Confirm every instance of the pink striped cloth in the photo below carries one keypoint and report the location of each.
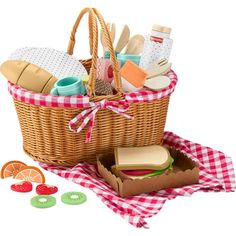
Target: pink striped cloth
(216, 174)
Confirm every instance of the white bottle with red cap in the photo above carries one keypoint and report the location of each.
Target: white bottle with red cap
(157, 46)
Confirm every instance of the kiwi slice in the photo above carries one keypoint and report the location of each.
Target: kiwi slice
(73, 198)
(43, 201)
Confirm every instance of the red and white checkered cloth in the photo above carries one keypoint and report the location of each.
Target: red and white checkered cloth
(88, 116)
(79, 101)
(216, 174)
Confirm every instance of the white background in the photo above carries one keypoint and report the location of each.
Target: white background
(202, 109)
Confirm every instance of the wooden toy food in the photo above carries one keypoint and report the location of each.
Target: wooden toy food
(43, 201)
(112, 31)
(135, 45)
(73, 198)
(104, 70)
(31, 173)
(45, 189)
(28, 76)
(103, 87)
(133, 74)
(124, 176)
(159, 68)
(123, 40)
(11, 168)
(154, 157)
(58, 63)
(137, 172)
(157, 83)
(22, 187)
(161, 155)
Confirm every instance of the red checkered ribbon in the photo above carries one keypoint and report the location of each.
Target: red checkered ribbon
(88, 115)
(216, 174)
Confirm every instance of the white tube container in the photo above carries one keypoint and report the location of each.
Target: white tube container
(157, 46)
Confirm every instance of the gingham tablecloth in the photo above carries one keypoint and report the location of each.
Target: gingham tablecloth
(79, 101)
(216, 174)
(87, 117)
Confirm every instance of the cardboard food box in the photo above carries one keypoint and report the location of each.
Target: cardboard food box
(185, 172)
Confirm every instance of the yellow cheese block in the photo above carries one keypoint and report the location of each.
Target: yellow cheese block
(28, 76)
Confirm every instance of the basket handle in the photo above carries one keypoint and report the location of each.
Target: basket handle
(71, 44)
(95, 15)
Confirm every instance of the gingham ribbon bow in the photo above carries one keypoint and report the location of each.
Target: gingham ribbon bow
(88, 115)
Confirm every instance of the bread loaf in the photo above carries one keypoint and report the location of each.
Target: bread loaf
(28, 76)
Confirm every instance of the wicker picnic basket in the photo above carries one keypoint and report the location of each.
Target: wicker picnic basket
(47, 138)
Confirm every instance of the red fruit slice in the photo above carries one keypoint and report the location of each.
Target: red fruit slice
(22, 187)
(110, 72)
(45, 189)
(137, 172)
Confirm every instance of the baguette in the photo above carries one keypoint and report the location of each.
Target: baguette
(28, 76)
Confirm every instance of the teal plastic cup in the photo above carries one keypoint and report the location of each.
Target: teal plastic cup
(131, 57)
(107, 54)
(69, 86)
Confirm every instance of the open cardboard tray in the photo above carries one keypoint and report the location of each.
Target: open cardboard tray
(185, 172)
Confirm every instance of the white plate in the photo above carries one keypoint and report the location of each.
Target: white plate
(58, 63)
(157, 83)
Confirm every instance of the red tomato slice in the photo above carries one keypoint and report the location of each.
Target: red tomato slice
(137, 172)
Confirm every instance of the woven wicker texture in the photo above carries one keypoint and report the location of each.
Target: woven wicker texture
(47, 138)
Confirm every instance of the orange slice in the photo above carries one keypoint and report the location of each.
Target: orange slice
(11, 168)
(30, 173)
